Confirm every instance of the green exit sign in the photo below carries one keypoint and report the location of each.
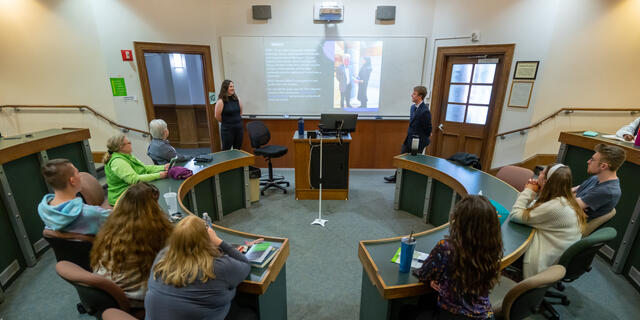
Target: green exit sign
(118, 87)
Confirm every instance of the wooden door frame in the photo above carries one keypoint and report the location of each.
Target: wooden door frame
(141, 48)
(438, 90)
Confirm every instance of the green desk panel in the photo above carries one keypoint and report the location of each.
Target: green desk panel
(232, 190)
(440, 203)
(73, 152)
(28, 188)
(9, 249)
(412, 192)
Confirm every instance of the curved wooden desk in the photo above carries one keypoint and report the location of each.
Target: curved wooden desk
(221, 187)
(383, 287)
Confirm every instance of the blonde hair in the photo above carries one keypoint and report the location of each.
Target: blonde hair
(190, 255)
(113, 145)
(558, 185)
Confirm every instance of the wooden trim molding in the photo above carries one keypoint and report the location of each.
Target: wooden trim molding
(18, 151)
(529, 163)
(205, 51)
(506, 51)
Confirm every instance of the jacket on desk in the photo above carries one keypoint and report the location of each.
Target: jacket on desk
(420, 122)
(466, 159)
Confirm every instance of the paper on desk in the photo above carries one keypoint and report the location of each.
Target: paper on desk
(614, 137)
(416, 262)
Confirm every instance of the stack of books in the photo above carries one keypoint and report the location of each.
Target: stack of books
(260, 254)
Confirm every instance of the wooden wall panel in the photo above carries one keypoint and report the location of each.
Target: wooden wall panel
(373, 145)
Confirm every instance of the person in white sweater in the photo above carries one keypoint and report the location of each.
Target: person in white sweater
(553, 212)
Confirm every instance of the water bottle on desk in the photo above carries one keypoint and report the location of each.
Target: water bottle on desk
(300, 127)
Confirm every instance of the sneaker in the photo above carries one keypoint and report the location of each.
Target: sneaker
(390, 179)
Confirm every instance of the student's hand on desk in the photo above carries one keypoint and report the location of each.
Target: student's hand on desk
(166, 167)
(214, 237)
(627, 137)
(163, 174)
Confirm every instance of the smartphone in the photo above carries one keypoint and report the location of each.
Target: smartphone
(172, 162)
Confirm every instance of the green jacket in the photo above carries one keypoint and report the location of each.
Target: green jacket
(123, 170)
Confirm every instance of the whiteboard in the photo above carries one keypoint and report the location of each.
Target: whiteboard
(276, 76)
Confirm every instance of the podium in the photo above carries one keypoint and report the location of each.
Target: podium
(335, 166)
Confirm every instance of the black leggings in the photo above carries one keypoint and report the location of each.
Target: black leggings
(231, 136)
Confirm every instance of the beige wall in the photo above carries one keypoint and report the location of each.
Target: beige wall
(63, 52)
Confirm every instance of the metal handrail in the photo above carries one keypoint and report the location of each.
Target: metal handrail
(81, 108)
(566, 111)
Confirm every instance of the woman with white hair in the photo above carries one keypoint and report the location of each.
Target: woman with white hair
(160, 150)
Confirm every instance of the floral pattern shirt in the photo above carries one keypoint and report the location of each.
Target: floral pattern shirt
(437, 267)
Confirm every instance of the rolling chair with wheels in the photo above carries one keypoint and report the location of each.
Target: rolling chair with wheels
(525, 297)
(96, 293)
(68, 246)
(259, 136)
(577, 260)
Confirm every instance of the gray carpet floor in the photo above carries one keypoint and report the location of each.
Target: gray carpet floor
(323, 271)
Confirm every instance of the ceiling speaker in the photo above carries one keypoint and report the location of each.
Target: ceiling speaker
(386, 12)
(262, 12)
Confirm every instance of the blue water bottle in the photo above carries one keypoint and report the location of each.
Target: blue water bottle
(406, 253)
(300, 127)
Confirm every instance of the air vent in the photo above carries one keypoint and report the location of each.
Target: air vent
(40, 245)
(634, 274)
(607, 251)
(9, 272)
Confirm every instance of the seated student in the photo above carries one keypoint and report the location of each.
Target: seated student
(195, 276)
(629, 131)
(600, 193)
(124, 169)
(128, 242)
(464, 266)
(63, 210)
(555, 214)
(160, 150)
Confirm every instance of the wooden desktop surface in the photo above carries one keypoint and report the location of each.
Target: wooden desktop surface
(259, 279)
(18, 146)
(375, 255)
(579, 140)
(302, 153)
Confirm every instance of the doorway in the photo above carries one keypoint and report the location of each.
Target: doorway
(176, 82)
(468, 94)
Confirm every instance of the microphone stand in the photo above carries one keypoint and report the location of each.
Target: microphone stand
(320, 221)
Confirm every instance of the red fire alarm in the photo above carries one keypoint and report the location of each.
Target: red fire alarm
(127, 55)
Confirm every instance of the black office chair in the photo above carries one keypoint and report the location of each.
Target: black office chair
(577, 260)
(259, 136)
(97, 293)
(69, 246)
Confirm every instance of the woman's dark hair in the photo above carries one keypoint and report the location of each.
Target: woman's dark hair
(224, 91)
(367, 63)
(477, 245)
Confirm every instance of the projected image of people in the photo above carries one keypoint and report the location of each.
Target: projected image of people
(357, 75)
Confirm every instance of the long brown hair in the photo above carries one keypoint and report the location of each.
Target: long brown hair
(191, 255)
(558, 185)
(224, 91)
(477, 245)
(133, 234)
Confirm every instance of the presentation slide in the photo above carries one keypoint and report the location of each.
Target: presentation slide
(312, 75)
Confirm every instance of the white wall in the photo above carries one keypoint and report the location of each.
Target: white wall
(63, 52)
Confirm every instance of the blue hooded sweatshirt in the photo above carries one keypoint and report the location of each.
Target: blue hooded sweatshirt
(72, 216)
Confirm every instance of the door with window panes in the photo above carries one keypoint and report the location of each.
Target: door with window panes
(467, 104)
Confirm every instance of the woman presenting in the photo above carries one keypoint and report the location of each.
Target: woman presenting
(363, 80)
(228, 111)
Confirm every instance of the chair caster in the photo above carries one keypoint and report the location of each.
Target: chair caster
(81, 309)
(565, 301)
(554, 318)
(285, 191)
(287, 185)
(262, 193)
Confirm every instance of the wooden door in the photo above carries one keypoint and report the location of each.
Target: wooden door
(469, 90)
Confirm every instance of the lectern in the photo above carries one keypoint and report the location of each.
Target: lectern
(335, 165)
